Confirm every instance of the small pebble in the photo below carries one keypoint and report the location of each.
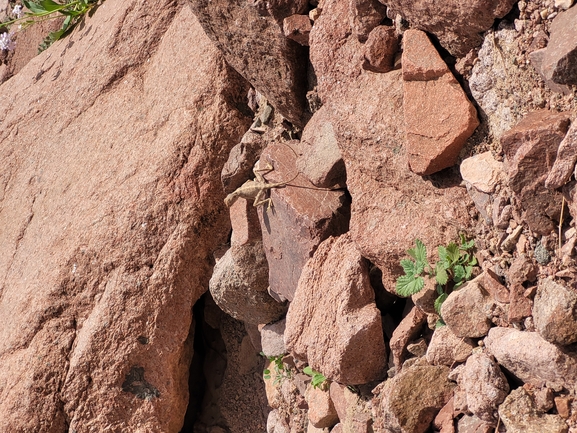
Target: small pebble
(551, 16)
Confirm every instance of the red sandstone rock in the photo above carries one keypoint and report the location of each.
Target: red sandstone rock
(444, 419)
(322, 412)
(485, 386)
(272, 338)
(409, 328)
(353, 413)
(321, 161)
(241, 160)
(554, 312)
(302, 217)
(386, 196)
(253, 43)
(335, 53)
(466, 310)
(565, 161)
(410, 401)
(482, 171)
(557, 63)
(530, 148)
(332, 322)
(447, 349)
(298, 28)
(457, 25)
(494, 287)
(380, 49)
(365, 15)
(110, 213)
(438, 116)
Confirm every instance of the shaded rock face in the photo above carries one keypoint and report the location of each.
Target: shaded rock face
(109, 214)
(530, 150)
(257, 48)
(410, 401)
(386, 196)
(457, 25)
(333, 322)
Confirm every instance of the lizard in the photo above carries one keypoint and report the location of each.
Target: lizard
(256, 189)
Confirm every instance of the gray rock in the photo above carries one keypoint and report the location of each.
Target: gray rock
(272, 338)
(531, 358)
(519, 415)
(565, 162)
(555, 312)
(239, 285)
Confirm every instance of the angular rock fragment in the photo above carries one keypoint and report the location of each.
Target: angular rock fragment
(530, 149)
(354, 416)
(466, 310)
(365, 16)
(438, 116)
(409, 328)
(485, 386)
(494, 287)
(334, 295)
(472, 424)
(300, 219)
(254, 45)
(322, 412)
(447, 349)
(456, 24)
(321, 161)
(298, 28)
(380, 49)
(519, 415)
(410, 401)
(555, 312)
(482, 171)
(272, 338)
(332, 38)
(386, 195)
(241, 160)
(531, 358)
(110, 214)
(564, 164)
(557, 63)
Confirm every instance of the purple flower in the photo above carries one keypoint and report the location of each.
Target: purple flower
(6, 42)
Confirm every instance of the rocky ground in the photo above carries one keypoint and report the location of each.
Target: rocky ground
(133, 299)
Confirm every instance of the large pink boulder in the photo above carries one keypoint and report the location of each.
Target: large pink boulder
(111, 207)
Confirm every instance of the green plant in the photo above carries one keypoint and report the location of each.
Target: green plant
(318, 380)
(455, 266)
(281, 371)
(41, 10)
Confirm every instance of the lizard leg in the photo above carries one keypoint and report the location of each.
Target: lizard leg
(258, 200)
(261, 171)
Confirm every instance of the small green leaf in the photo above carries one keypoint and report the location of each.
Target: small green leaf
(34, 7)
(408, 285)
(439, 324)
(408, 266)
(453, 253)
(50, 5)
(308, 370)
(441, 274)
(460, 274)
(439, 301)
(419, 253)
